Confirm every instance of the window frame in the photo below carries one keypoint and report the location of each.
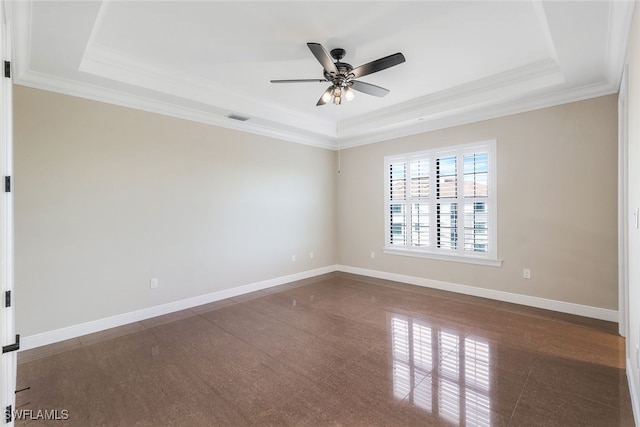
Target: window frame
(432, 251)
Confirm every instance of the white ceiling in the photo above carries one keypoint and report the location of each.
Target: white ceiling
(205, 60)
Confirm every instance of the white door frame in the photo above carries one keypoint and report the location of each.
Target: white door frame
(7, 317)
(623, 210)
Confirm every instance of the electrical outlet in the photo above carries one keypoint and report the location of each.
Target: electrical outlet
(311, 255)
(526, 273)
(293, 258)
(373, 254)
(154, 283)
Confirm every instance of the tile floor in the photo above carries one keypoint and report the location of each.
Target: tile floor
(336, 350)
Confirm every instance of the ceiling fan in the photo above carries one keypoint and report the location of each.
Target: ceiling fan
(342, 75)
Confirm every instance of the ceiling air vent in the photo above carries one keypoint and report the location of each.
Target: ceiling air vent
(237, 117)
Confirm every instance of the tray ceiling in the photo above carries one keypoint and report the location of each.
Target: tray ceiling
(208, 60)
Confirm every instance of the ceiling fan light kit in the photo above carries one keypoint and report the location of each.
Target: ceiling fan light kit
(342, 75)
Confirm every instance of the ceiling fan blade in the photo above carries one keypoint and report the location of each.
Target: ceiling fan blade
(300, 81)
(326, 96)
(378, 65)
(368, 88)
(323, 57)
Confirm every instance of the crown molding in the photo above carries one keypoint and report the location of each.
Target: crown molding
(459, 99)
(499, 109)
(114, 65)
(97, 93)
(487, 112)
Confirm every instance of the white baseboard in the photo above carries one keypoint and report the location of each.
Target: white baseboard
(50, 337)
(561, 306)
(75, 331)
(633, 391)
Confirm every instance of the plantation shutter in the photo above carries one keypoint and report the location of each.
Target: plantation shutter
(442, 202)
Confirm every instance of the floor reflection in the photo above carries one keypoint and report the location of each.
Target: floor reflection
(441, 372)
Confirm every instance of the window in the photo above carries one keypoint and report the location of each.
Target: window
(442, 203)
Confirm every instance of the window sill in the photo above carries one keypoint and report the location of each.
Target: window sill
(441, 257)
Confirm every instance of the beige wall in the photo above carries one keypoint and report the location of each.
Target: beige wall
(557, 204)
(633, 194)
(108, 197)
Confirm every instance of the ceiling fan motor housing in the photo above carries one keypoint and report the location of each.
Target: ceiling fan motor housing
(342, 78)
